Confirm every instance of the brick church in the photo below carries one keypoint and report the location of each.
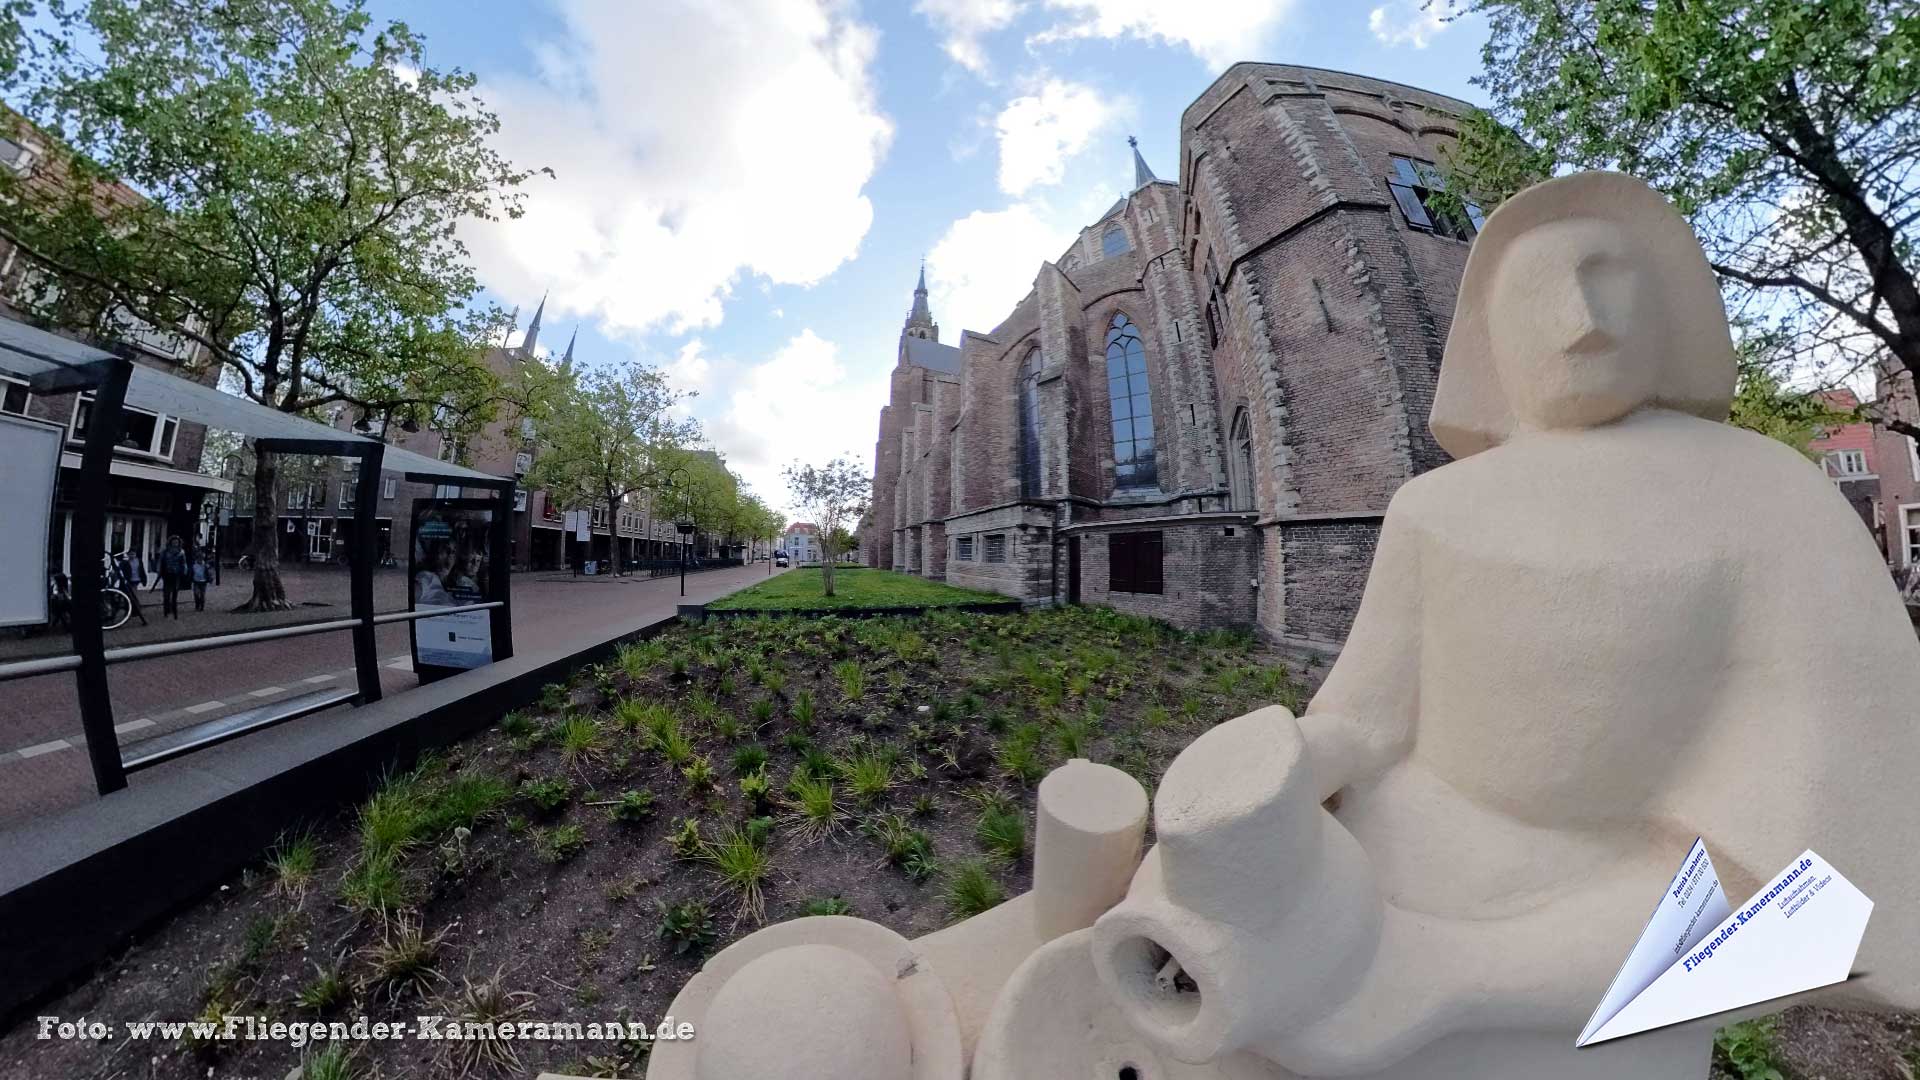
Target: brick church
(1202, 407)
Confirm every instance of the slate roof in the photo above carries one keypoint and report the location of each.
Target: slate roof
(933, 355)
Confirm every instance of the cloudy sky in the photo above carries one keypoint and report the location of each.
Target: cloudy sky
(744, 188)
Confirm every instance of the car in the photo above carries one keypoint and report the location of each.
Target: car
(781, 559)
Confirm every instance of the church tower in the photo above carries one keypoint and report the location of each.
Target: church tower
(920, 322)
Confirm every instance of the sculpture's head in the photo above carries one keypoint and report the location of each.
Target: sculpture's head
(1584, 298)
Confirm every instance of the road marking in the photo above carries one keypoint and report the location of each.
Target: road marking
(329, 677)
(205, 706)
(44, 748)
(403, 658)
(133, 725)
(267, 691)
(405, 663)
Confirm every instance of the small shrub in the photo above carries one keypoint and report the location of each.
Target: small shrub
(1156, 717)
(1022, 761)
(560, 844)
(813, 809)
(517, 725)
(555, 696)
(826, 905)
(742, 863)
(816, 762)
(327, 990)
(1747, 1049)
(1075, 737)
(803, 710)
(641, 717)
(403, 960)
(686, 926)
(488, 1005)
(676, 748)
(757, 790)
(971, 890)
(868, 776)
(907, 847)
(698, 774)
(293, 860)
(852, 678)
(334, 1061)
(749, 758)
(762, 712)
(925, 805)
(728, 729)
(548, 793)
(685, 839)
(378, 884)
(632, 807)
(1002, 831)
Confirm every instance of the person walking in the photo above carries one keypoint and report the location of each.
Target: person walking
(200, 571)
(173, 574)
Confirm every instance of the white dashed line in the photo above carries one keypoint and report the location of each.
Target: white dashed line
(329, 677)
(267, 691)
(44, 748)
(133, 725)
(205, 706)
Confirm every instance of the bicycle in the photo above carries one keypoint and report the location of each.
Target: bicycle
(116, 607)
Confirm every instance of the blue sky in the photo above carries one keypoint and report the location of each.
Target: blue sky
(745, 188)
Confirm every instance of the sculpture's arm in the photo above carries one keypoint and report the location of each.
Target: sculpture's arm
(1362, 720)
(1433, 976)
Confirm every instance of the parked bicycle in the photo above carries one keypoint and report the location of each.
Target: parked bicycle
(117, 602)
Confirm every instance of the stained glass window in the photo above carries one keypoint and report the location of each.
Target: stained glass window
(1030, 425)
(1133, 446)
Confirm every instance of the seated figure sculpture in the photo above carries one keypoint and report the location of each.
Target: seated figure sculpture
(1613, 623)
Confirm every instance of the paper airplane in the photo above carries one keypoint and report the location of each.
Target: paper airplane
(1697, 956)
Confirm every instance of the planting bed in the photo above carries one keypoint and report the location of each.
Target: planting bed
(546, 869)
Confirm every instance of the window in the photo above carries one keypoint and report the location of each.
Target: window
(17, 156)
(1113, 241)
(963, 549)
(1240, 460)
(1910, 528)
(1133, 461)
(387, 487)
(1913, 456)
(308, 496)
(1216, 304)
(522, 463)
(453, 448)
(446, 491)
(14, 396)
(1847, 464)
(142, 432)
(1414, 184)
(349, 485)
(1133, 562)
(996, 548)
(1030, 424)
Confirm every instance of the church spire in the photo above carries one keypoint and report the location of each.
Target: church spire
(920, 322)
(566, 362)
(533, 328)
(1142, 176)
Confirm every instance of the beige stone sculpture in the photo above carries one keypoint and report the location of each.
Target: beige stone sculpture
(1613, 624)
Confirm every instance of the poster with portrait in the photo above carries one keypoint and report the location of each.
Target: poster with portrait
(449, 564)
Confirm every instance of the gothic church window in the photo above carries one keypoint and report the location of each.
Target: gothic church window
(1030, 425)
(1415, 184)
(1113, 242)
(1133, 461)
(1240, 461)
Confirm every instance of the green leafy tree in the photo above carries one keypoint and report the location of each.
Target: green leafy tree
(1786, 131)
(836, 495)
(610, 435)
(301, 175)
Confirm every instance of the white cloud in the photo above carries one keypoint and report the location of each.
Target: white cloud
(1220, 32)
(964, 22)
(1040, 132)
(800, 405)
(985, 263)
(1412, 22)
(693, 143)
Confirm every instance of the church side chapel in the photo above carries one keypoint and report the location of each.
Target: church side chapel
(1202, 407)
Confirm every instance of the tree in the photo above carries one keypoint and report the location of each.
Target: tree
(836, 496)
(844, 541)
(1786, 131)
(609, 435)
(301, 176)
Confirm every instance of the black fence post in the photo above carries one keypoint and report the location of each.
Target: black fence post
(366, 663)
(500, 574)
(104, 424)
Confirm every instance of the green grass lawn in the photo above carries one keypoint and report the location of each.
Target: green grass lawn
(802, 590)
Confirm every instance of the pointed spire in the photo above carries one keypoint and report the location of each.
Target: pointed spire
(533, 328)
(1142, 176)
(566, 362)
(920, 322)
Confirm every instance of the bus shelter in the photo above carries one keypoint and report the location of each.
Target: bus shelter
(51, 364)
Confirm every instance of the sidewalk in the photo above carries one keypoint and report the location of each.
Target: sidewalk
(43, 762)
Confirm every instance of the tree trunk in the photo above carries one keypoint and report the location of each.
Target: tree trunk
(826, 566)
(268, 592)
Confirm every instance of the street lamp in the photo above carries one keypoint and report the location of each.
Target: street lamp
(685, 526)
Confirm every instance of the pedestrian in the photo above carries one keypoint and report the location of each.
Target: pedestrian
(200, 572)
(173, 574)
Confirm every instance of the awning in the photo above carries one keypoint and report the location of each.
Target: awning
(158, 474)
(53, 364)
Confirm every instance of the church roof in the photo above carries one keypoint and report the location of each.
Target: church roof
(932, 354)
(1142, 176)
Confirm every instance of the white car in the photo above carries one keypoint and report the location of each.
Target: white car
(781, 559)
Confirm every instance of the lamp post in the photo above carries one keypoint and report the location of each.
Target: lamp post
(680, 522)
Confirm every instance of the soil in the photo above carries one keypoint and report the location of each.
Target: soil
(581, 939)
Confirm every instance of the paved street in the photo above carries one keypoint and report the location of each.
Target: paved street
(43, 760)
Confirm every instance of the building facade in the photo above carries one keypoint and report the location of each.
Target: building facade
(802, 542)
(1202, 408)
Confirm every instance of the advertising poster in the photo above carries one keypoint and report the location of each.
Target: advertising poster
(449, 565)
(32, 453)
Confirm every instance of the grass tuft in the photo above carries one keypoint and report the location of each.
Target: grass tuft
(970, 890)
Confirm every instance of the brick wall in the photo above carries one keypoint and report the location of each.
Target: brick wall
(1207, 570)
(1324, 571)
